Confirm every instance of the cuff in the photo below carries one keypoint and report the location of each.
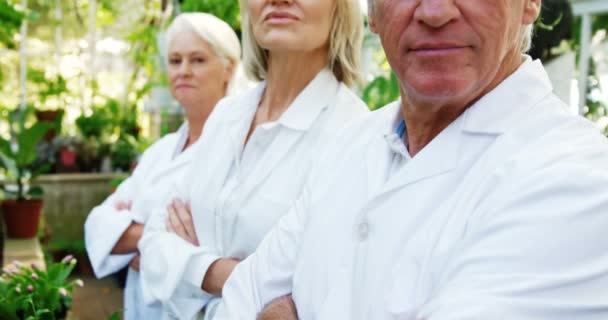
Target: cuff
(103, 229)
(197, 268)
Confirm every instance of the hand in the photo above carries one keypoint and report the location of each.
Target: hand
(179, 221)
(281, 308)
(123, 205)
(135, 262)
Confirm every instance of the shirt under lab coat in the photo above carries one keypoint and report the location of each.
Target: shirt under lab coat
(148, 186)
(238, 192)
(501, 216)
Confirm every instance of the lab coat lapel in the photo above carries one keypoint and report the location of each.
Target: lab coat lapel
(278, 149)
(440, 156)
(227, 146)
(172, 158)
(492, 115)
(296, 121)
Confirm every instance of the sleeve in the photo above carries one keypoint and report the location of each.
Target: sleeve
(165, 257)
(267, 273)
(104, 227)
(537, 249)
(170, 266)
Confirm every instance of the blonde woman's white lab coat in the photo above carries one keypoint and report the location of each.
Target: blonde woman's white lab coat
(147, 188)
(238, 194)
(501, 216)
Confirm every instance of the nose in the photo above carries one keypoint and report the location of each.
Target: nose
(184, 68)
(436, 13)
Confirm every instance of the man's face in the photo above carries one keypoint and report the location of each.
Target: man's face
(450, 52)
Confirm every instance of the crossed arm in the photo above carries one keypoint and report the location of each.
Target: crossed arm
(129, 239)
(179, 221)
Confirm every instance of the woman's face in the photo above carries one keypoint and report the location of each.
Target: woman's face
(291, 25)
(197, 76)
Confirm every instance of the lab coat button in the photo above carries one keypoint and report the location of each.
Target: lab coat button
(363, 231)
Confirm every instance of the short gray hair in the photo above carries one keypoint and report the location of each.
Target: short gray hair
(215, 32)
(526, 38)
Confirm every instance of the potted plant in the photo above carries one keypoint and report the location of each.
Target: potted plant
(23, 203)
(124, 153)
(29, 292)
(50, 98)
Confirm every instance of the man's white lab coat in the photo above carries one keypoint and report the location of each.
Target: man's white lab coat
(501, 216)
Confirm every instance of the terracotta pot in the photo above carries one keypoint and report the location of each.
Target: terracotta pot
(22, 217)
(49, 116)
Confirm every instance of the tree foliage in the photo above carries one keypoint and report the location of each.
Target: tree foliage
(11, 18)
(227, 10)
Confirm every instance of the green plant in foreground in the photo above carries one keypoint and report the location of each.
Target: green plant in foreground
(29, 292)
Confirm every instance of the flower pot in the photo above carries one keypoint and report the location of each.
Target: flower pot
(22, 217)
(66, 161)
(50, 116)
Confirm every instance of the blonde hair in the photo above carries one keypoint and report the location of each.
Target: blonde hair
(215, 32)
(345, 41)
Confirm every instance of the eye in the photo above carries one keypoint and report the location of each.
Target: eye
(198, 60)
(175, 61)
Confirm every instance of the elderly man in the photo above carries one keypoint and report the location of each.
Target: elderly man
(474, 197)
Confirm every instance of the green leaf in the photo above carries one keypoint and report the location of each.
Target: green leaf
(27, 141)
(36, 192)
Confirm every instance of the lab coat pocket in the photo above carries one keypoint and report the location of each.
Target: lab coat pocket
(402, 296)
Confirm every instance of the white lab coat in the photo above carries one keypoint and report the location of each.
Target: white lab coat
(501, 216)
(236, 196)
(147, 188)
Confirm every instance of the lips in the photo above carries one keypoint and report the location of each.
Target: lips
(183, 86)
(280, 16)
(437, 48)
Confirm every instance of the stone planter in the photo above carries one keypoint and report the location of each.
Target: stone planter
(68, 199)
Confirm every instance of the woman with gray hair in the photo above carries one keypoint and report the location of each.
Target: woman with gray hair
(257, 148)
(202, 54)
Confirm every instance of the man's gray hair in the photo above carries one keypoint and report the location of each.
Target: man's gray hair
(526, 38)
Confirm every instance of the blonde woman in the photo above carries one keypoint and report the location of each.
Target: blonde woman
(203, 53)
(257, 148)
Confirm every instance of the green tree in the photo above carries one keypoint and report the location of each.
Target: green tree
(11, 18)
(227, 10)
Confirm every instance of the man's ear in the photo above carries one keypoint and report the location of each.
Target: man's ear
(531, 11)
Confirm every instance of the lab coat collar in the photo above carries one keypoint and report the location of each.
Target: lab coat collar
(440, 156)
(182, 138)
(248, 103)
(302, 112)
(170, 161)
(307, 106)
(502, 107)
(492, 114)
(300, 116)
